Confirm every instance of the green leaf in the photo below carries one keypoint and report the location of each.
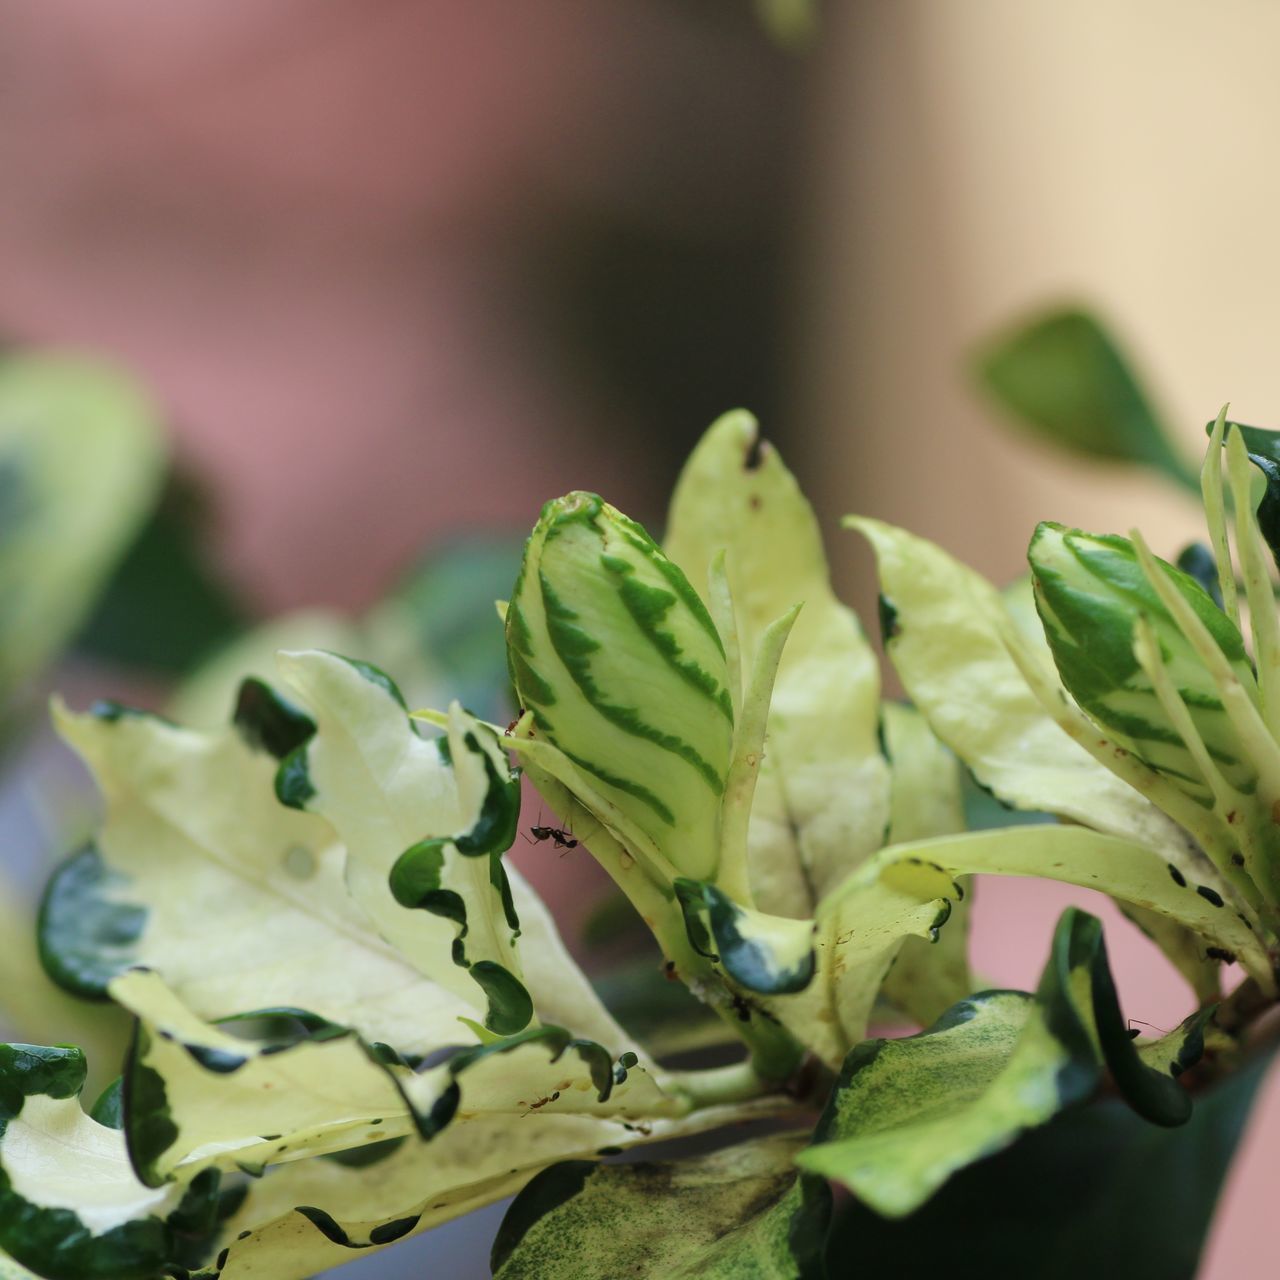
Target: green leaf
(71, 1207)
(81, 461)
(11, 1270)
(1261, 442)
(925, 801)
(821, 802)
(1263, 446)
(1062, 376)
(909, 1113)
(739, 1213)
(1098, 1191)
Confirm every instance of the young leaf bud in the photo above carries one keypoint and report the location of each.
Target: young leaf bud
(620, 663)
(1089, 591)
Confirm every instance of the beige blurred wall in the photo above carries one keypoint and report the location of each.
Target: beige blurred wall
(973, 161)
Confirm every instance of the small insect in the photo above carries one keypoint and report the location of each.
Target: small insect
(560, 839)
(539, 1103)
(1134, 1033)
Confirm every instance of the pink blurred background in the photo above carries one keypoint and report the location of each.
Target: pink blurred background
(402, 267)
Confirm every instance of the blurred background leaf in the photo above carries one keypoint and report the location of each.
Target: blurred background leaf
(1064, 377)
(447, 605)
(166, 606)
(81, 464)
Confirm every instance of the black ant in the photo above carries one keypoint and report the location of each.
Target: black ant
(559, 839)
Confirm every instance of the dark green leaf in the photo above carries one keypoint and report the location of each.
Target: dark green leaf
(908, 1114)
(1062, 376)
(1096, 1192)
(1196, 560)
(1264, 452)
(166, 606)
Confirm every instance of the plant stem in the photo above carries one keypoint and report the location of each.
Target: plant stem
(718, 1086)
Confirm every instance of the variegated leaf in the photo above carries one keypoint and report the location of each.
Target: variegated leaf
(196, 1096)
(769, 955)
(1090, 590)
(625, 673)
(944, 639)
(304, 1217)
(740, 1213)
(948, 635)
(1125, 870)
(71, 1206)
(540, 1070)
(192, 820)
(424, 823)
(908, 1113)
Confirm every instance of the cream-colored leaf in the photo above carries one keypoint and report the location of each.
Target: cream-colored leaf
(945, 644)
(406, 814)
(72, 1204)
(201, 874)
(948, 643)
(196, 1096)
(419, 1186)
(908, 890)
(401, 807)
(822, 799)
(927, 977)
